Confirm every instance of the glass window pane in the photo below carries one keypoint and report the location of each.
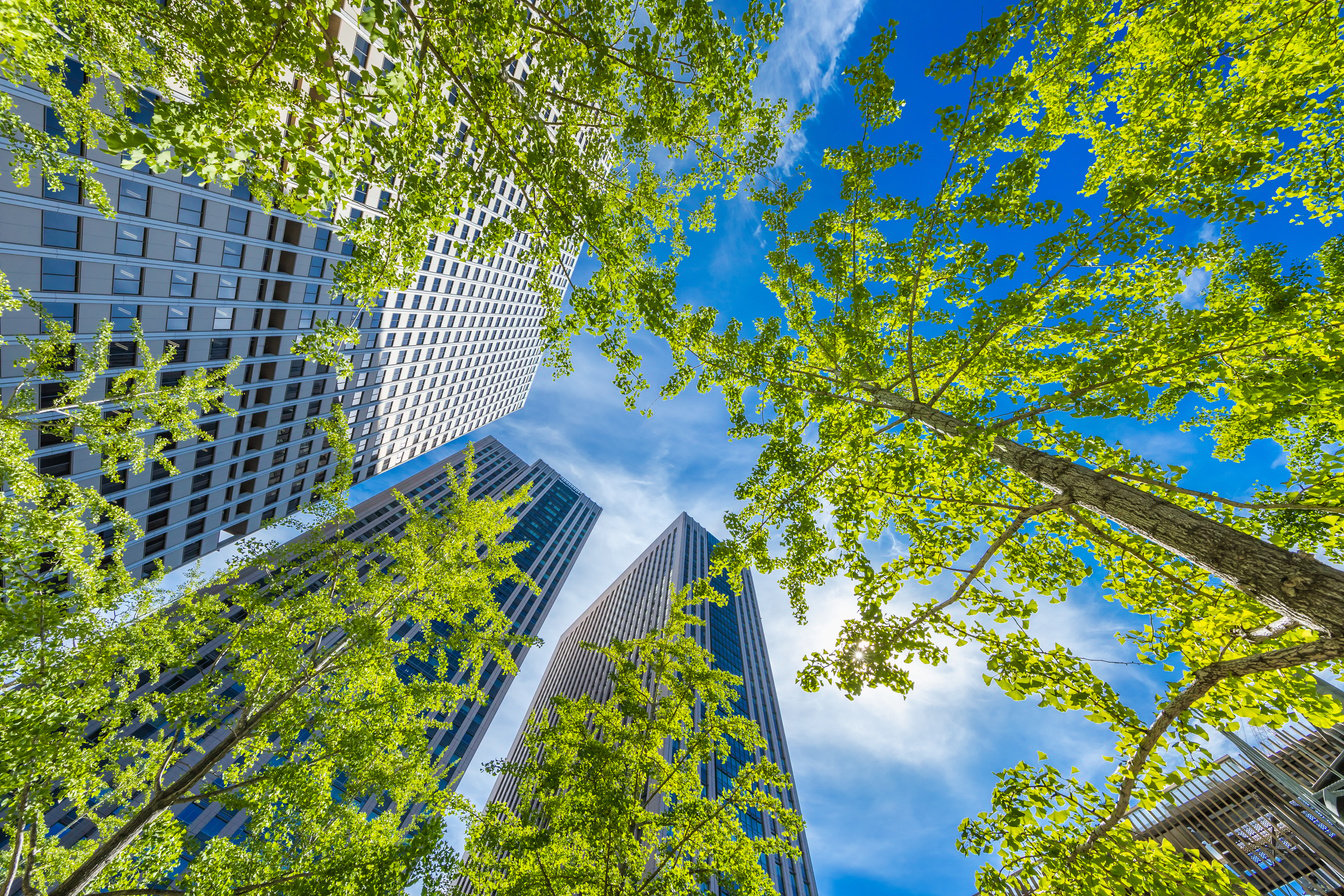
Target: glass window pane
(178, 317)
(126, 280)
(237, 222)
(228, 287)
(233, 254)
(130, 240)
(184, 247)
(223, 319)
(61, 313)
(61, 187)
(133, 198)
(122, 315)
(59, 274)
(183, 284)
(190, 209)
(60, 230)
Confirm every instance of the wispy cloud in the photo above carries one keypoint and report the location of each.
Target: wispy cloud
(805, 59)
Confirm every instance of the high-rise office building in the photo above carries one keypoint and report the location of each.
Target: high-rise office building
(204, 269)
(556, 522)
(637, 603)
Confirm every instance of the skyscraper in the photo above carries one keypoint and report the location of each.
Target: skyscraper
(204, 269)
(639, 602)
(556, 521)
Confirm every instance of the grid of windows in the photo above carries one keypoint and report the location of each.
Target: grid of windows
(638, 602)
(196, 258)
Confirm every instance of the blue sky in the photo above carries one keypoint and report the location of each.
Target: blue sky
(883, 780)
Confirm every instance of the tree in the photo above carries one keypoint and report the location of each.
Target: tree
(279, 687)
(607, 117)
(927, 379)
(61, 544)
(610, 798)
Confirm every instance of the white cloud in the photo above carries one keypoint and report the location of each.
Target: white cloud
(1194, 284)
(805, 59)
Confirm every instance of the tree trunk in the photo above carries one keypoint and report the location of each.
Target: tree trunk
(1291, 583)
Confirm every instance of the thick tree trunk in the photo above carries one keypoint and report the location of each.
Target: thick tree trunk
(1292, 584)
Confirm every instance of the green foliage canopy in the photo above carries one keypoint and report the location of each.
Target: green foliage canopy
(275, 686)
(927, 380)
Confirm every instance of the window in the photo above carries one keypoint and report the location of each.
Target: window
(126, 280)
(193, 549)
(275, 477)
(159, 471)
(184, 248)
(61, 187)
(199, 505)
(233, 254)
(291, 391)
(60, 313)
(223, 319)
(121, 354)
(305, 320)
(200, 482)
(182, 285)
(219, 349)
(55, 464)
(205, 456)
(228, 287)
(130, 240)
(156, 520)
(310, 292)
(271, 496)
(194, 528)
(315, 266)
(190, 209)
(122, 315)
(108, 485)
(155, 544)
(237, 222)
(133, 198)
(178, 317)
(160, 494)
(361, 55)
(60, 274)
(60, 231)
(240, 190)
(142, 113)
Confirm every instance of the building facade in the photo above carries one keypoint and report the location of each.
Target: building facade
(1270, 812)
(205, 270)
(639, 602)
(556, 522)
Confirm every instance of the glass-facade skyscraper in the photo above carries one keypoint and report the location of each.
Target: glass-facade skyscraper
(556, 521)
(639, 602)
